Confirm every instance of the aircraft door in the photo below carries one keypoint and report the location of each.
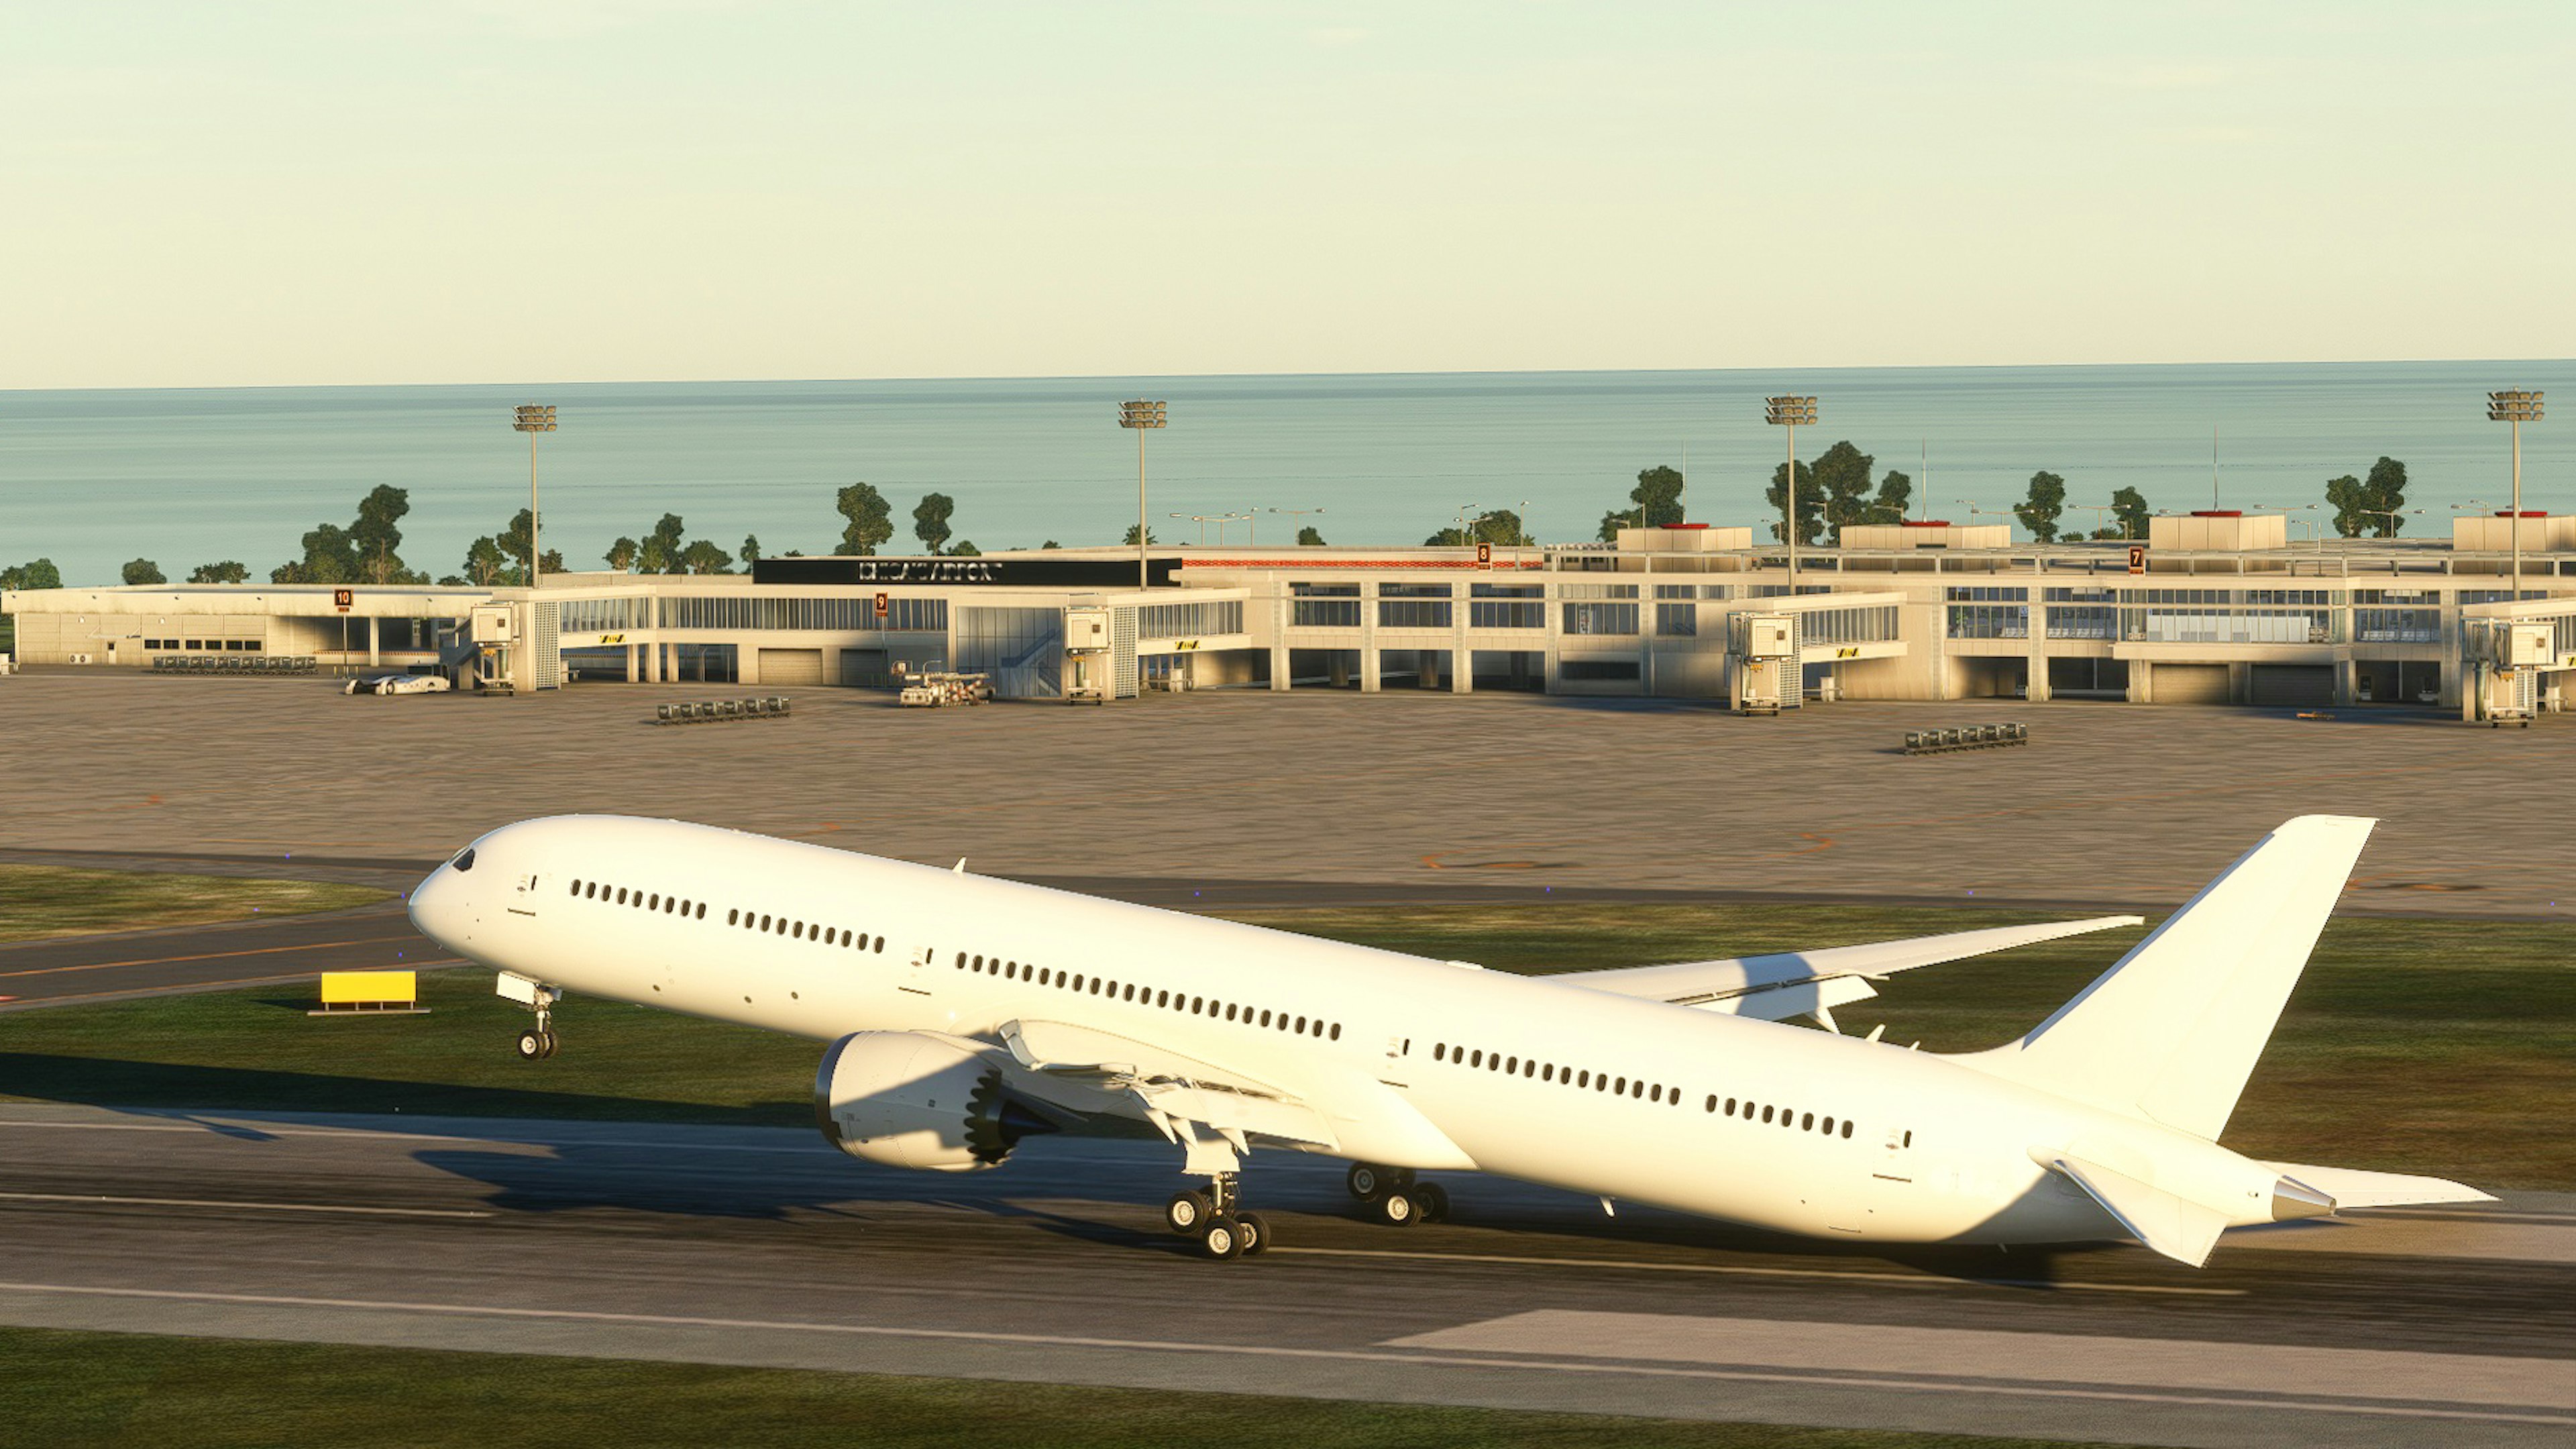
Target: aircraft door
(1889, 1192)
(523, 894)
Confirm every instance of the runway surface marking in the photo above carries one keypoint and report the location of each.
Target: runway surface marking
(204, 955)
(271, 1207)
(1390, 1355)
(2152, 1363)
(1912, 1280)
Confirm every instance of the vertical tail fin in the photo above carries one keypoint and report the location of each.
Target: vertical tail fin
(2172, 1031)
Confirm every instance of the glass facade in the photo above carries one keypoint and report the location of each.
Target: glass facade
(1189, 621)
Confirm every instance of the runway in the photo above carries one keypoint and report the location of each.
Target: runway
(762, 1246)
(113, 967)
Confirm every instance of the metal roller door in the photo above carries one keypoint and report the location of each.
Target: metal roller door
(865, 669)
(791, 666)
(2191, 684)
(2297, 686)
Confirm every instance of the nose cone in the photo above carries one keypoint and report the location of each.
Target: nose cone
(439, 909)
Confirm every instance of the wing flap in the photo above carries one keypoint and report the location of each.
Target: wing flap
(1068, 1064)
(1768, 986)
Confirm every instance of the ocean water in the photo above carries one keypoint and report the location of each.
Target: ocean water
(183, 477)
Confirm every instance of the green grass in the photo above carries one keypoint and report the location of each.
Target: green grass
(2411, 1045)
(72, 1390)
(41, 901)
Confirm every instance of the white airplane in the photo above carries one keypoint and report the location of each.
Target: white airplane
(966, 1013)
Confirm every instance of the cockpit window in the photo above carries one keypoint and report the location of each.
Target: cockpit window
(464, 859)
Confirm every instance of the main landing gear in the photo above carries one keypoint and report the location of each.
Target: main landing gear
(1391, 1196)
(1215, 1217)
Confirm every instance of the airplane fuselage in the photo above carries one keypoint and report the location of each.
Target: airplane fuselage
(1414, 1063)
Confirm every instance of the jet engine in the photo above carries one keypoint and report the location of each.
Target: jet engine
(909, 1100)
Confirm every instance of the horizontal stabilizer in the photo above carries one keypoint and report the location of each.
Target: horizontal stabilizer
(2350, 1187)
(2177, 1227)
(1795, 983)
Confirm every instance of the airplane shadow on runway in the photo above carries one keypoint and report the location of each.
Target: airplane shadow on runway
(109, 1082)
(543, 1152)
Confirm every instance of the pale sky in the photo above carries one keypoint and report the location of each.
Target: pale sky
(541, 190)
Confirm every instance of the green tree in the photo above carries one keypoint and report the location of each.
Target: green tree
(1498, 526)
(329, 558)
(1810, 503)
(870, 524)
(1895, 498)
(965, 549)
(750, 553)
(2370, 507)
(1658, 500)
(660, 551)
(2039, 512)
(517, 539)
(621, 555)
(1310, 537)
(484, 561)
(33, 574)
(377, 534)
(2129, 506)
(144, 571)
(1130, 539)
(1842, 477)
(227, 572)
(930, 519)
(1050, 543)
(705, 557)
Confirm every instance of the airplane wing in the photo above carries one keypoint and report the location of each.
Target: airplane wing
(1812, 983)
(1185, 1099)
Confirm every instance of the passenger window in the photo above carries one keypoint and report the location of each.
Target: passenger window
(1301, 1026)
(1512, 1064)
(1909, 1139)
(733, 917)
(1337, 1031)
(1846, 1127)
(1476, 1058)
(1766, 1114)
(1807, 1122)
(1829, 1126)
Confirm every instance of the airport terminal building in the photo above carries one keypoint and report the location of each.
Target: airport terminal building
(2215, 608)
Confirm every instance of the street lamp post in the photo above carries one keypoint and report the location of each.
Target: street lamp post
(1463, 510)
(1789, 412)
(532, 420)
(1296, 512)
(2516, 406)
(1140, 414)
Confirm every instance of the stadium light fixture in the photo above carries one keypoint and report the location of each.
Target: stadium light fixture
(1787, 412)
(532, 419)
(2516, 406)
(1140, 414)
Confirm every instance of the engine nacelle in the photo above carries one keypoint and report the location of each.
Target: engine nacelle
(909, 1100)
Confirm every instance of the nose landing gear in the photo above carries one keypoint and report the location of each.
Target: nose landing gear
(538, 1042)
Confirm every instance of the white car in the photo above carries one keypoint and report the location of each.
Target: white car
(397, 684)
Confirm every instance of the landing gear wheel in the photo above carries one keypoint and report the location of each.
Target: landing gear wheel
(1256, 1233)
(1431, 1201)
(1397, 1209)
(550, 1043)
(1223, 1239)
(534, 1045)
(1365, 1182)
(1188, 1213)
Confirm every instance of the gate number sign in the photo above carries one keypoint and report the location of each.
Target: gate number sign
(881, 606)
(2137, 558)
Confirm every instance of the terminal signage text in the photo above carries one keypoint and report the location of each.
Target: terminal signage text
(1037, 573)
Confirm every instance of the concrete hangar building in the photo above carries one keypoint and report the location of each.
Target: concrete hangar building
(2215, 608)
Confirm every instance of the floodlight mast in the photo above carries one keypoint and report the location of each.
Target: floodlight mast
(1787, 412)
(2516, 406)
(532, 419)
(1140, 414)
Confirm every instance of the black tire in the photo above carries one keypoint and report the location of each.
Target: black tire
(1188, 1213)
(1365, 1182)
(1222, 1240)
(1433, 1200)
(532, 1045)
(550, 1042)
(1256, 1233)
(1396, 1210)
